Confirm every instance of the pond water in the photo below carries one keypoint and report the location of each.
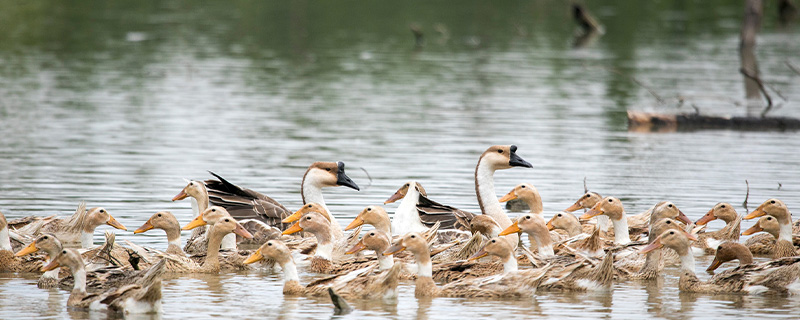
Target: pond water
(116, 103)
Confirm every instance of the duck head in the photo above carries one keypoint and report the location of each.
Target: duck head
(722, 210)
(586, 201)
(401, 193)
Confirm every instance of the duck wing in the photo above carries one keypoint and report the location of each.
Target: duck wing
(450, 218)
(244, 203)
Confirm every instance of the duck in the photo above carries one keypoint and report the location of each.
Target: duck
(776, 276)
(336, 229)
(375, 216)
(708, 241)
(777, 209)
(213, 262)
(328, 249)
(166, 221)
(77, 228)
(613, 209)
(729, 251)
(9, 262)
(568, 223)
(376, 240)
(527, 193)
(243, 203)
(783, 247)
(649, 267)
(498, 157)
(589, 199)
(50, 244)
(483, 287)
(142, 297)
(534, 226)
(417, 213)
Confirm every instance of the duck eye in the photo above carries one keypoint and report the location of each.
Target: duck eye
(101, 211)
(559, 215)
(499, 151)
(45, 237)
(770, 218)
(610, 200)
(722, 206)
(191, 183)
(213, 210)
(308, 218)
(372, 234)
(670, 205)
(327, 169)
(773, 202)
(310, 206)
(159, 214)
(494, 241)
(413, 236)
(369, 209)
(64, 251)
(523, 186)
(668, 222)
(672, 232)
(588, 195)
(527, 217)
(269, 244)
(227, 220)
(408, 185)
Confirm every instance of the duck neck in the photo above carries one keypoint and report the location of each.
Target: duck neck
(290, 271)
(540, 238)
(687, 262)
(487, 199)
(621, 235)
(602, 223)
(510, 263)
(79, 275)
(406, 218)
(228, 242)
(87, 239)
(212, 255)
(200, 202)
(383, 225)
(5, 239)
(324, 246)
(574, 228)
(424, 266)
(785, 232)
(384, 262)
(535, 203)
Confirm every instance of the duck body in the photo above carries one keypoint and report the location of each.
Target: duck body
(78, 228)
(417, 213)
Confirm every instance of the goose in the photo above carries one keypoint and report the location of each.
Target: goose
(356, 284)
(417, 213)
(493, 159)
(166, 221)
(779, 211)
(708, 241)
(528, 193)
(485, 287)
(213, 261)
(728, 251)
(783, 247)
(78, 228)
(780, 276)
(50, 244)
(143, 297)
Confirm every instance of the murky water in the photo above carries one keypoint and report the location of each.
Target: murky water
(116, 103)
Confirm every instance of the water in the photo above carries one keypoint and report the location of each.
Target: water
(115, 103)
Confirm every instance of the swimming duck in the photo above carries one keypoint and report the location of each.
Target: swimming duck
(335, 228)
(612, 208)
(77, 228)
(328, 249)
(166, 221)
(378, 241)
(493, 159)
(213, 261)
(48, 243)
(355, 284)
(589, 199)
(779, 275)
(534, 226)
(783, 247)
(568, 223)
(375, 216)
(143, 297)
(9, 262)
(528, 194)
(728, 251)
(708, 241)
(417, 212)
(777, 209)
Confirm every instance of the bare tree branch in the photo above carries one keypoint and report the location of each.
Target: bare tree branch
(746, 197)
(760, 87)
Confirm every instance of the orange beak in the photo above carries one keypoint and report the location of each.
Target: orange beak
(708, 217)
(511, 195)
(550, 225)
(514, 228)
(752, 230)
(182, 195)
(656, 244)
(114, 223)
(396, 196)
(146, 226)
(756, 213)
(358, 247)
(480, 254)
(355, 223)
(255, 257)
(683, 218)
(31, 248)
(52, 265)
(240, 230)
(575, 206)
(197, 222)
(394, 249)
(714, 264)
(592, 213)
(294, 217)
(689, 235)
(295, 228)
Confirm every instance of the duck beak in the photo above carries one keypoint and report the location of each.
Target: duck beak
(146, 226)
(396, 196)
(516, 161)
(596, 211)
(752, 230)
(343, 180)
(292, 218)
(708, 217)
(683, 218)
(358, 247)
(756, 213)
(514, 228)
(689, 235)
(52, 265)
(394, 249)
(355, 223)
(255, 257)
(114, 223)
(182, 195)
(480, 254)
(714, 265)
(240, 230)
(550, 226)
(295, 228)
(31, 248)
(650, 247)
(575, 206)
(197, 222)
(511, 195)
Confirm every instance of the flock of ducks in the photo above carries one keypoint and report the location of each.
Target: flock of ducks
(446, 251)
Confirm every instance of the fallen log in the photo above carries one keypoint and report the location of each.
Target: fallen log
(656, 122)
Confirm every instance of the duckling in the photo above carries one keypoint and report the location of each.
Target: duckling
(780, 276)
(728, 251)
(355, 284)
(777, 209)
(166, 221)
(78, 228)
(213, 262)
(50, 244)
(708, 241)
(417, 212)
(783, 248)
(143, 297)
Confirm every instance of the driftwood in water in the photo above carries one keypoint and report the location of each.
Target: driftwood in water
(655, 122)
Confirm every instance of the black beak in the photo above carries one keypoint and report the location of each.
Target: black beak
(516, 161)
(343, 180)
